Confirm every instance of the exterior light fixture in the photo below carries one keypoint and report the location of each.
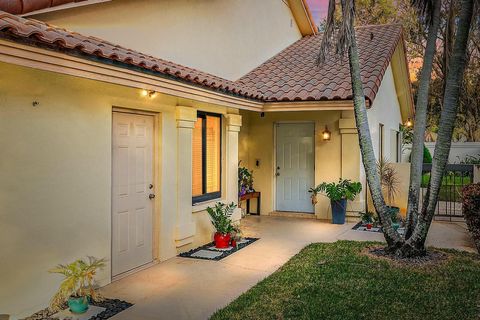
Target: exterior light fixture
(149, 93)
(326, 134)
(409, 123)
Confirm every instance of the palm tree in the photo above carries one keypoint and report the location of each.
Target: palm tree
(430, 11)
(343, 36)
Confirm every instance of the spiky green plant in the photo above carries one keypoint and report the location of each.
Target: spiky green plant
(220, 215)
(79, 281)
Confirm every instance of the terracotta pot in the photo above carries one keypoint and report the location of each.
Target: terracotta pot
(369, 226)
(222, 241)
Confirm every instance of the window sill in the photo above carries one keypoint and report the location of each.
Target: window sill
(202, 206)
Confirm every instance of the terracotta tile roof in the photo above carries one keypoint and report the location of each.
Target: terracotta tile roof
(293, 74)
(289, 76)
(26, 6)
(40, 33)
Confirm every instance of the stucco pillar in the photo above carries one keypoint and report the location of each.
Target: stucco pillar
(234, 122)
(185, 226)
(350, 158)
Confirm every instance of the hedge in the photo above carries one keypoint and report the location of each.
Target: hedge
(471, 211)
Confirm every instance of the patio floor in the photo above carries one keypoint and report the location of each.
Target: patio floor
(183, 288)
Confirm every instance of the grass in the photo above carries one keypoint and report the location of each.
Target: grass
(337, 281)
(451, 188)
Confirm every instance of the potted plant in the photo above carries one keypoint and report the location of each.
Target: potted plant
(390, 184)
(338, 193)
(78, 286)
(245, 180)
(367, 219)
(236, 236)
(220, 216)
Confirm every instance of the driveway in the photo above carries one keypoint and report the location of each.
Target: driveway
(182, 288)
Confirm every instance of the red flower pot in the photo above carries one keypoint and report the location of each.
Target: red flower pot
(369, 226)
(234, 243)
(222, 241)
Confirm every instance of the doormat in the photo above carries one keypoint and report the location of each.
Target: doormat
(209, 252)
(111, 307)
(361, 227)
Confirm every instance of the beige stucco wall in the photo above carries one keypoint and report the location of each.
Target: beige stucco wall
(257, 142)
(55, 196)
(225, 38)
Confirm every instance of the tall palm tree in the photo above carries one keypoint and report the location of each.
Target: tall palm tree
(430, 11)
(343, 36)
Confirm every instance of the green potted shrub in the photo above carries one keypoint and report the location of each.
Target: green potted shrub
(338, 193)
(245, 180)
(221, 218)
(390, 185)
(367, 219)
(77, 288)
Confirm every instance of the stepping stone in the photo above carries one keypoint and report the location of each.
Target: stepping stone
(213, 248)
(207, 254)
(68, 315)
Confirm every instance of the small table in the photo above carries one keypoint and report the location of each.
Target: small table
(252, 195)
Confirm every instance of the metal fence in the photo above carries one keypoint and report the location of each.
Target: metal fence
(449, 205)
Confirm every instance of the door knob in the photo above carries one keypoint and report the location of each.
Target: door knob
(276, 172)
(151, 196)
(150, 186)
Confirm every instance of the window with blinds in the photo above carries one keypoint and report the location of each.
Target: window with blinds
(206, 154)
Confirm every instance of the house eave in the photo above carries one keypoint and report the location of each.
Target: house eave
(63, 7)
(303, 17)
(47, 60)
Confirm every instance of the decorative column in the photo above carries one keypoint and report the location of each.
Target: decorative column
(234, 122)
(350, 158)
(185, 226)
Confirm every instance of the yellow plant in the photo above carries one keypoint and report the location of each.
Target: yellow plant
(79, 281)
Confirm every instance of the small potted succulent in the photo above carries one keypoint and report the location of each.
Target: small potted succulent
(220, 216)
(77, 289)
(338, 193)
(236, 236)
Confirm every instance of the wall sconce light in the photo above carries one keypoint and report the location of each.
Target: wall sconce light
(149, 93)
(326, 134)
(409, 123)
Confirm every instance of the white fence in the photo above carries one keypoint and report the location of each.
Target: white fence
(458, 152)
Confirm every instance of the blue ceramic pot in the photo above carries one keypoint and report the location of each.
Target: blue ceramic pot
(78, 304)
(339, 209)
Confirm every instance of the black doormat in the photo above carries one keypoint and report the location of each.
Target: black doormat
(112, 307)
(209, 252)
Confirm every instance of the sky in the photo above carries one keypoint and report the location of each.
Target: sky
(319, 9)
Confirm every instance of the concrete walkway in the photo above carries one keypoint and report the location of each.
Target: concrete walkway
(182, 288)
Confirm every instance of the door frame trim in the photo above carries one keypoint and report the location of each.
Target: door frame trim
(156, 173)
(274, 167)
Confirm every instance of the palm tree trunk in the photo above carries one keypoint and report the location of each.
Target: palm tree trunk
(368, 156)
(421, 122)
(454, 78)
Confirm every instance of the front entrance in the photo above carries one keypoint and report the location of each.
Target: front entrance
(295, 167)
(132, 191)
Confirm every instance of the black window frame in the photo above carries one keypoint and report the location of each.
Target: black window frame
(217, 194)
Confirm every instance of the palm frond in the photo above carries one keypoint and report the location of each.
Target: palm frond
(424, 8)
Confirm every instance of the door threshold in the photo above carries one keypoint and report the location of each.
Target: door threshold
(134, 270)
(292, 214)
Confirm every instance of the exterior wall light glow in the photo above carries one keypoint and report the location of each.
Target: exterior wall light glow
(409, 123)
(326, 134)
(149, 93)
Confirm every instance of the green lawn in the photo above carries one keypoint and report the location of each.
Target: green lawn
(337, 281)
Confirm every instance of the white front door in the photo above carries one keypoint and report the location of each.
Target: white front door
(132, 185)
(295, 170)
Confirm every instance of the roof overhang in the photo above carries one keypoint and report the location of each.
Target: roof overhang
(303, 17)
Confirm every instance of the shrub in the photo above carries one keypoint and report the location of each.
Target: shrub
(427, 156)
(471, 211)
